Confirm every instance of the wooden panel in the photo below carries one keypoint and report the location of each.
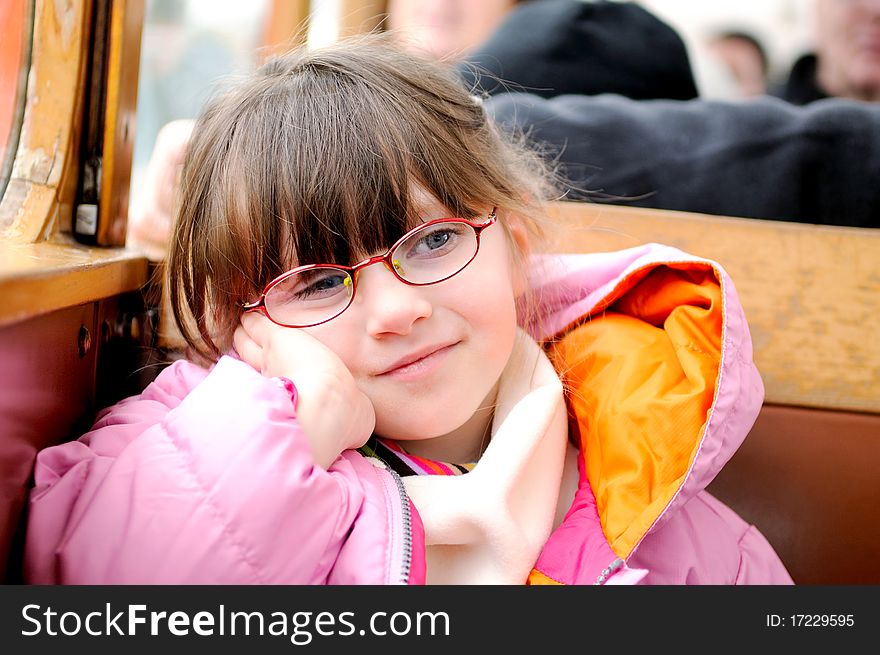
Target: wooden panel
(46, 388)
(126, 20)
(56, 370)
(43, 182)
(37, 278)
(811, 293)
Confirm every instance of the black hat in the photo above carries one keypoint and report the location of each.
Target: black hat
(557, 47)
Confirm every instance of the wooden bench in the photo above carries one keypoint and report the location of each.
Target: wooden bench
(808, 474)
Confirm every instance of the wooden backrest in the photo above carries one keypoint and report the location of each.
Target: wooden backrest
(808, 474)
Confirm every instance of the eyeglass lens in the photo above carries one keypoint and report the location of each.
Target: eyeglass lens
(428, 255)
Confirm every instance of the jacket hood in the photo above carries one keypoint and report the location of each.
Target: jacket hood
(656, 357)
(557, 47)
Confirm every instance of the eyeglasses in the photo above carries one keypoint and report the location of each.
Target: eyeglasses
(316, 293)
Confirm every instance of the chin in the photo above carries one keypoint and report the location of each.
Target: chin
(415, 425)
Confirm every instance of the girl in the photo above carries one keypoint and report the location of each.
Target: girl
(393, 390)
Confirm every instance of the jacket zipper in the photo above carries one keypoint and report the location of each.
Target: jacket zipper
(406, 564)
(607, 571)
(406, 519)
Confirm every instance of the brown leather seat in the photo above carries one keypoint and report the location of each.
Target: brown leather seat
(809, 479)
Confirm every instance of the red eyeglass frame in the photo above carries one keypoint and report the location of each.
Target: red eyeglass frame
(260, 304)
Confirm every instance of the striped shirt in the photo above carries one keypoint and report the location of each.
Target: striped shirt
(405, 464)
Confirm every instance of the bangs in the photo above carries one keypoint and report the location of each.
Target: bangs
(345, 179)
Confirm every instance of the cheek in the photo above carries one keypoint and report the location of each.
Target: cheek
(491, 315)
(341, 338)
(493, 342)
(494, 285)
(488, 306)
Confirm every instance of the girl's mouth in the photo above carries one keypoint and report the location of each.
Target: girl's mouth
(419, 363)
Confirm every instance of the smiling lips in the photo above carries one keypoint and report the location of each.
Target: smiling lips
(419, 362)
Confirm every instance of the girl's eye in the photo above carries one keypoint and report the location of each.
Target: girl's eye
(318, 285)
(436, 242)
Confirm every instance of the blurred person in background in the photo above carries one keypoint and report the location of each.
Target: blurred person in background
(558, 47)
(184, 56)
(762, 158)
(623, 137)
(624, 141)
(846, 62)
(445, 29)
(745, 58)
(555, 46)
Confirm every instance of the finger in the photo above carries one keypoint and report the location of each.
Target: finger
(249, 351)
(256, 325)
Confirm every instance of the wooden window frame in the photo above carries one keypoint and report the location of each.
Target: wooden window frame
(42, 267)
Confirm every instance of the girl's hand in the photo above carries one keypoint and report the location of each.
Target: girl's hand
(335, 415)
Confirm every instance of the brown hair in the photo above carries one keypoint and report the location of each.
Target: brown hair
(312, 159)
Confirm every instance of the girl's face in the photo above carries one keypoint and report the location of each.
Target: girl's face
(429, 357)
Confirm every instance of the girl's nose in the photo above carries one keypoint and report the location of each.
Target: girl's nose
(390, 306)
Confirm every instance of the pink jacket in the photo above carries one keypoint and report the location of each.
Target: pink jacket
(206, 478)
